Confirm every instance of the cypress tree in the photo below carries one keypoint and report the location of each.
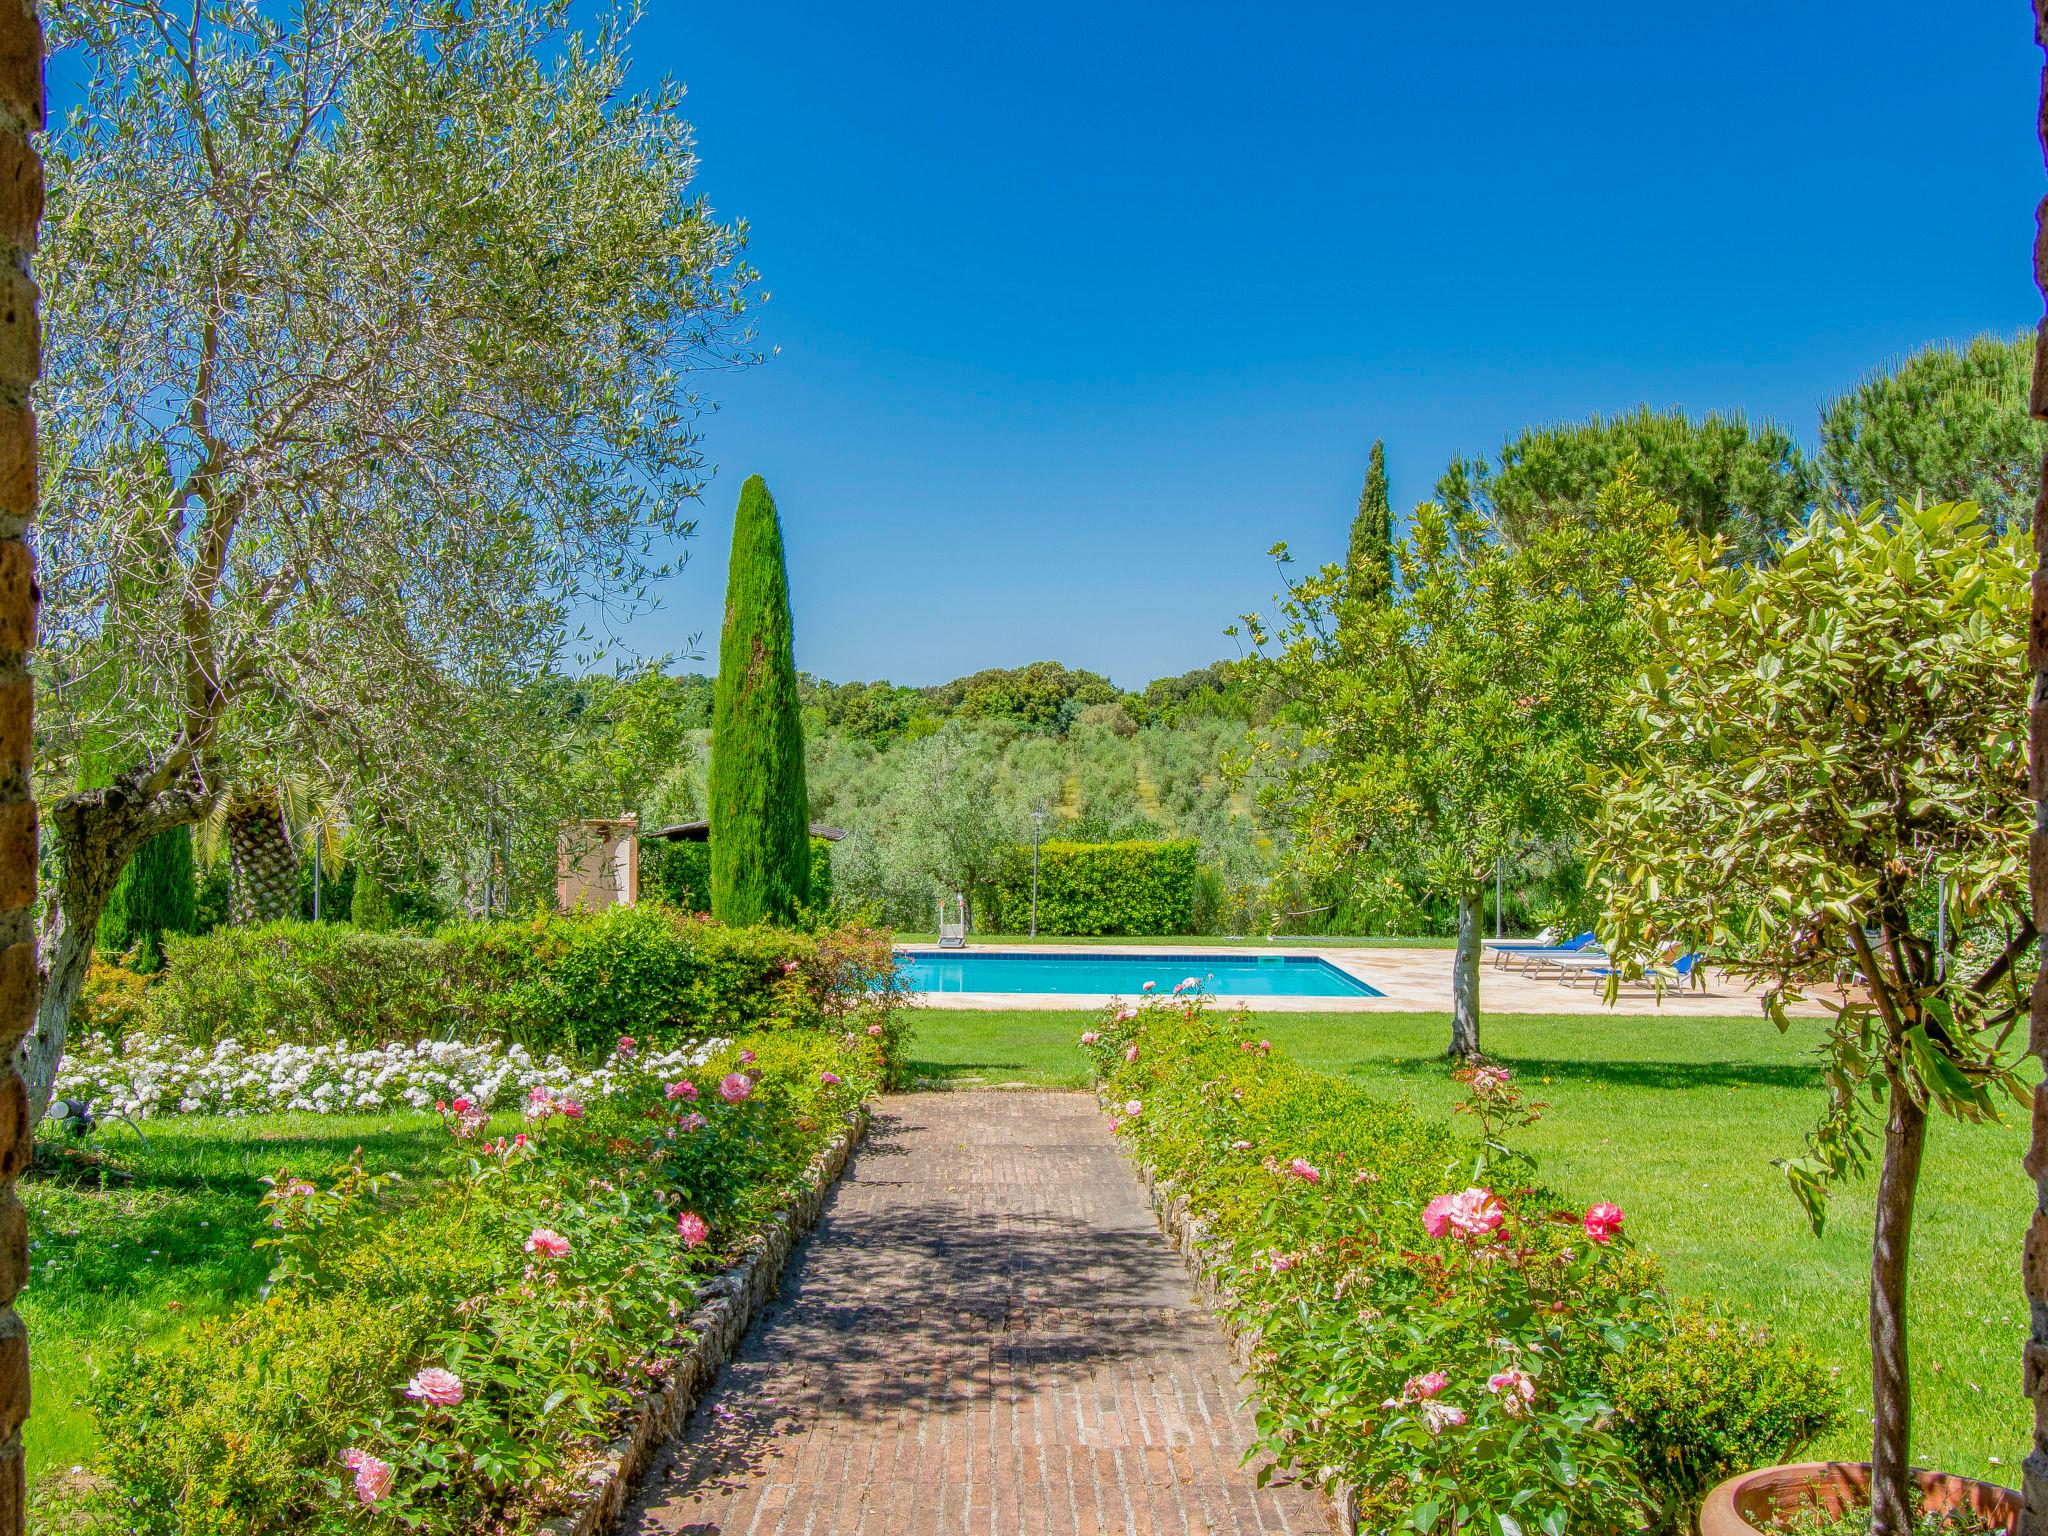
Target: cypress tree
(760, 808)
(157, 894)
(1371, 562)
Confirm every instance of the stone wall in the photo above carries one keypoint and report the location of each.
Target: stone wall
(21, 207)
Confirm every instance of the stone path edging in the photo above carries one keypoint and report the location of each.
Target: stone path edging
(726, 1309)
(1201, 1253)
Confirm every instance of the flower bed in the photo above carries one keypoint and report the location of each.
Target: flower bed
(456, 1358)
(1428, 1325)
(146, 1075)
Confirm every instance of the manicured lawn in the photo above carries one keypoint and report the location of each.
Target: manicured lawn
(1677, 1122)
(129, 1241)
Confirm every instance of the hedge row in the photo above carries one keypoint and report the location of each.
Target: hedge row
(572, 984)
(1478, 1358)
(1099, 888)
(444, 1360)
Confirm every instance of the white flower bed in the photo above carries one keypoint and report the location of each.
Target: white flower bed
(155, 1076)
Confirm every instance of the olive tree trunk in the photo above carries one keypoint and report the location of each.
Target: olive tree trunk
(1891, 1401)
(1465, 975)
(97, 831)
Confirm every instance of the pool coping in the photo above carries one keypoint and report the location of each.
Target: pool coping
(1407, 980)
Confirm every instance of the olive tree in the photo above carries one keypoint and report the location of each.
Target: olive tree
(1825, 744)
(1452, 722)
(373, 342)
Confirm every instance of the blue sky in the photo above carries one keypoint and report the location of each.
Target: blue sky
(1081, 307)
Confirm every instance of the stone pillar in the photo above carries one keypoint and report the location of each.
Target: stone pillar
(21, 207)
(2034, 1264)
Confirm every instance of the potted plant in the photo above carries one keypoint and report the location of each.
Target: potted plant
(1831, 752)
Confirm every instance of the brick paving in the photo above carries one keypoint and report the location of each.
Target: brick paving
(985, 1334)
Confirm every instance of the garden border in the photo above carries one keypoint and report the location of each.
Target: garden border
(1191, 1240)
(728, 1306)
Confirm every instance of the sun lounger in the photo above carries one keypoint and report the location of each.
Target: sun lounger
(1501, 949)
(1530, 955)
(1656, 976)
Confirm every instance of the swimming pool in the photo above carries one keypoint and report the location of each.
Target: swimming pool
(1120, 975)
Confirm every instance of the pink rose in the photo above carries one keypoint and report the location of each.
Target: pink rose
(570, 1108)
(875, 1031)
(1115, 1125)
(1489, 1079)
(735, 1088)
(1240, 1145)
(692, 1229)
(1131, 1054)
(461, 1106)
(746, 1058)
(1473, 1213)
(627, 1046)
(1135, 1108)
(683, 1090)
(830, 1079)
(1427, 1385)
(1125, 1015)
(373, 1477)
(435, 1385)
(1515, 1388)
(1438, 1417)
(1091, 1037)
(1279, 1263)
(1150, 986)
(788, 967)
(1603, 1222)
(547, 1242)
(1303, 1169)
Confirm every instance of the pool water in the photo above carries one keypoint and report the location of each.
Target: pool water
(934, 970)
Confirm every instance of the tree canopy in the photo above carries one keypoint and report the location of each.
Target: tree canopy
(1453, 722)
(1721, 475)
(1947, 424)
(375, 360)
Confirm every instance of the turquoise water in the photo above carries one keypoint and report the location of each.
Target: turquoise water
(932, 970)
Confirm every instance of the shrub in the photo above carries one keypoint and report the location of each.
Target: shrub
(1712, 1396)
(571, 984)
(679, 873)
(306, 982)
(113, 1001)
(1452, 1379)
(1101, 888)
(243, 1422)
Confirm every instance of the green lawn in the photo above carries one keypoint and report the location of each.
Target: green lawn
(1677, 1121)
(129, 1242)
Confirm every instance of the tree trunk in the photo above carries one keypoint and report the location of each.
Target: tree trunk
(1891, 1404)
(97, 832)
(263, 866)
(1465, 976)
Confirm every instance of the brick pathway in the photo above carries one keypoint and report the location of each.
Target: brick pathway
(986, 1334)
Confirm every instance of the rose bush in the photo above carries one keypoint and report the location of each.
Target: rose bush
(448, 1359)
(1435, 1328)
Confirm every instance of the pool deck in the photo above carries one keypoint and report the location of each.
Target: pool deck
(1409, 981)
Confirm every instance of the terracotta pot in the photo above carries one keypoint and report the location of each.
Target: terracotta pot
(1746, 1504)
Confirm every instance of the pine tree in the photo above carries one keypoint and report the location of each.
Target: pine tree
(263, 866)
(157, 894)
(760, 808)
(1371, 561)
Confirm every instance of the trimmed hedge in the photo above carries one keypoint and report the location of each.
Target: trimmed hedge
(1087, 889)
(572, 984)
(1386, 1340)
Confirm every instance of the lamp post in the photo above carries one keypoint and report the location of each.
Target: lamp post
(1037, 822)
